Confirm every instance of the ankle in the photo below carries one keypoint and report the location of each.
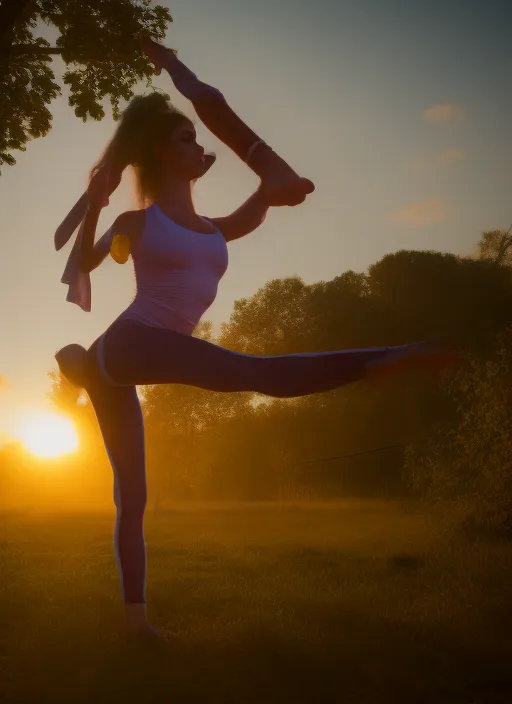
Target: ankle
(136, 617)
(254, 146)
(260, 158)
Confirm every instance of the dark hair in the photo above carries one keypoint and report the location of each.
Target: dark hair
(145, 123)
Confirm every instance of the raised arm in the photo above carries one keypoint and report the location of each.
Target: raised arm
(90, 257)
(246, 219)
(77, 213)
(98, 192)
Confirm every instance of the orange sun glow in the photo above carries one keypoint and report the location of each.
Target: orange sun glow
(48, 434)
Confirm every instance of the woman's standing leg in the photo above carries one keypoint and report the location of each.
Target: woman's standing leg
(281, 184)
(120, 420)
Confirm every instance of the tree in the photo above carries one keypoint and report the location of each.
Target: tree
(209, 445)
(470, 461)
(271, 321)
(441, 297)
(220, 445)
(98, 42)
(495, 246)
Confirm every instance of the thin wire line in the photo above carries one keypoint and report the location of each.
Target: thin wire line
(355, 454)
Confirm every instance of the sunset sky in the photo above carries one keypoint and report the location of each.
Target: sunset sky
(398, 110)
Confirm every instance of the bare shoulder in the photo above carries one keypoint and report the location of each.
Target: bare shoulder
(130, 223)
(126, 232)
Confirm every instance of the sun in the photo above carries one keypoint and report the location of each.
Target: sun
(48, 434)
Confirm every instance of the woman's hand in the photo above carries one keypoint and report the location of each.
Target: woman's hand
(102, 185)
(156, 53)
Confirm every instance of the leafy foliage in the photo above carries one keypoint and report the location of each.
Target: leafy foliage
(471, 461)
(98, 42)
(205, 445)
(240, 445)
(496, 246)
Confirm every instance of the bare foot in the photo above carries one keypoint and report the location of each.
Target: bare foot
(146, 634)
(280, 184)
(72, 364)
(421, 356)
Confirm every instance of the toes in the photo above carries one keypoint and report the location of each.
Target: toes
(291, 195)
(308, 185)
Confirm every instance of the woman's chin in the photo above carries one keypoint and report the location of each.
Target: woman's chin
(206, 164)
(198, 174)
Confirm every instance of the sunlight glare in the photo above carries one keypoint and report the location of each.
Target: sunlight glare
(47, 434)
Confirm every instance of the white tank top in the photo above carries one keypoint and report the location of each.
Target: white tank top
(177, 272)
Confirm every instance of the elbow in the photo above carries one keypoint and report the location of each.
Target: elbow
(258, 222)
(254, 223)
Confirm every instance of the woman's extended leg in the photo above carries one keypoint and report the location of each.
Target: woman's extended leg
(134, 354)
(280, 183)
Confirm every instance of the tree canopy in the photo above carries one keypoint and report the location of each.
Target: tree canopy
(98, 43)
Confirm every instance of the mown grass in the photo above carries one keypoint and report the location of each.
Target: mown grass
(349, 602)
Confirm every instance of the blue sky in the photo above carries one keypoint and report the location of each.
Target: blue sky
(400, 111)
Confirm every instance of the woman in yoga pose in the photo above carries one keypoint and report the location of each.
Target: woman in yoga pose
(179, 259)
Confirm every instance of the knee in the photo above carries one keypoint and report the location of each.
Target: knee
(131, 505)
(216, 93)
(72, 363)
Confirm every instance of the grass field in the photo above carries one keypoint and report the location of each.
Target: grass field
(348, 602)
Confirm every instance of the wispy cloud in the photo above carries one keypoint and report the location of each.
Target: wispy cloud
(444, 114)
(421, 213)
(427, 161)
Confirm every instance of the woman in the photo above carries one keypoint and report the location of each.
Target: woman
(179, 259)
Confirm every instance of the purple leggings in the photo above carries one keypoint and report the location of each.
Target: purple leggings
(136, 354)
